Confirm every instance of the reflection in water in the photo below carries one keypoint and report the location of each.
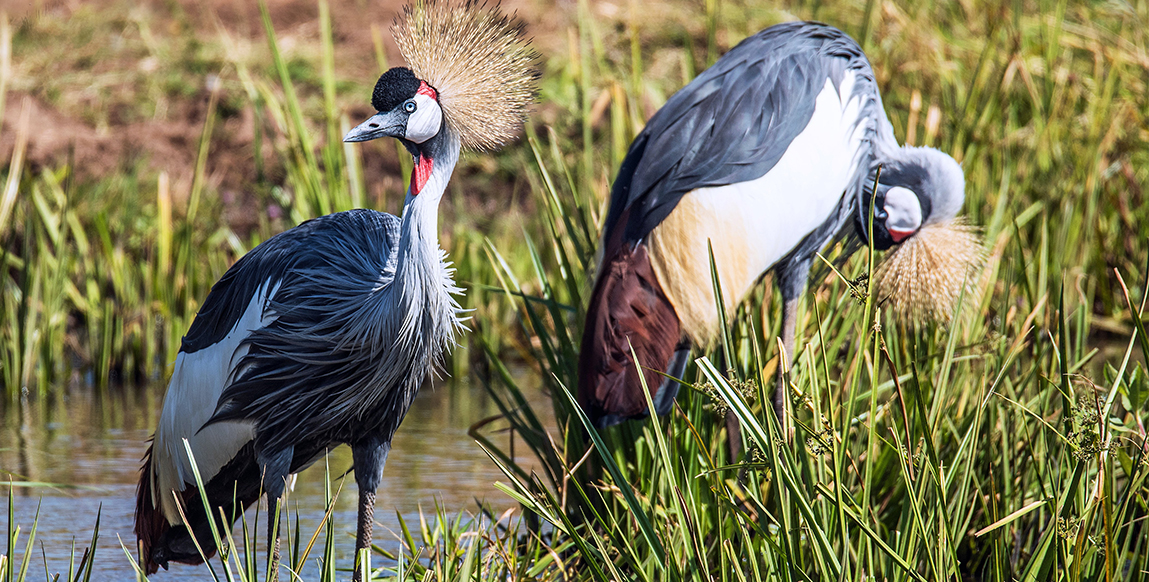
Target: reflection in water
(93, 446)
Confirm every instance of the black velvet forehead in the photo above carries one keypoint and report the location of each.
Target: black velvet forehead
(910, 176)
(394, 87)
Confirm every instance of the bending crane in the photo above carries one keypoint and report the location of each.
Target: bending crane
(767, 156)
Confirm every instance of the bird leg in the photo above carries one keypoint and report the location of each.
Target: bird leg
(782, 392)
(276, 467)
(792, 283)
(273, 534)
(733, 425)
(369, 461)
(363, 529)
(733, 436)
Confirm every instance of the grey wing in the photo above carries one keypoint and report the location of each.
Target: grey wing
(731, 124)
(324, 303)
(319, 265)
(297, 250)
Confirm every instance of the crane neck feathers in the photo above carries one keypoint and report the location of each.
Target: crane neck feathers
(435, 161)
(422, 273)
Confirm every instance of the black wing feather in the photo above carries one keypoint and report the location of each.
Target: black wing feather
(309, 359)
(731, 124)
(297, 250)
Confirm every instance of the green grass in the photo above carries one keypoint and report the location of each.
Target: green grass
(1007, 446)
(441, 546)
(14, 569)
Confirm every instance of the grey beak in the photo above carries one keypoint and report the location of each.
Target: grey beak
(377, 126)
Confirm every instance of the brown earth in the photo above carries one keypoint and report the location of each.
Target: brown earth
(102, 114)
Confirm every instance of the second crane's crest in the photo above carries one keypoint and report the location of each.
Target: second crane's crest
(924, 278)
(477, 59)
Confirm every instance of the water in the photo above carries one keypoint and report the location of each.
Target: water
(93, 446)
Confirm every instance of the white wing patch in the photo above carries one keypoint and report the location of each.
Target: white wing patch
(196, 385)
(752, 225)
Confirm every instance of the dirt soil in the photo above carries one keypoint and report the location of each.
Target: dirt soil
(98, 112)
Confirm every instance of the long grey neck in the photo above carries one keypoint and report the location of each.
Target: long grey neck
(419, 233)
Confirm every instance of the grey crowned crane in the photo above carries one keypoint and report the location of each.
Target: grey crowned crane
(769, 154)
(322, 335)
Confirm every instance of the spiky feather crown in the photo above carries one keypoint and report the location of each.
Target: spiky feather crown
(477, 60)
(923, 278)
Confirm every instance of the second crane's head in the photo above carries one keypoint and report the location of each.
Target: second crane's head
(914, 208)
(919, 187)
(408, 109)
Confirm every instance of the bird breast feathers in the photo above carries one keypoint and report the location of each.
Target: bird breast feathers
(752, 225)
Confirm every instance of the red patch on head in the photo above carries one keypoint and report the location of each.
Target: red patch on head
(425, 89)
(900, 235)
(420, 174)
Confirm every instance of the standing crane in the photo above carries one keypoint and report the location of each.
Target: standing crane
(765, 157)
(322, 335)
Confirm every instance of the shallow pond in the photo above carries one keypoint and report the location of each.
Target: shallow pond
(93, 445)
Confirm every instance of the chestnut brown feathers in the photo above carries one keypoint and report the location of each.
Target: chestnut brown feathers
(627, 308)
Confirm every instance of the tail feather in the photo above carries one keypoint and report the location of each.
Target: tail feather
(151, 525)
(234, 488)
(627, 309)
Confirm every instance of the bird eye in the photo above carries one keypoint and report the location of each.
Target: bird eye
(409, 106)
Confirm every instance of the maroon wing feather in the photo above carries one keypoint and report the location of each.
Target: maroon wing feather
(627, 308)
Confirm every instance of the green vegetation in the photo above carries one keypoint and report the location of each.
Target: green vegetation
(12, 568)
(1008, 446)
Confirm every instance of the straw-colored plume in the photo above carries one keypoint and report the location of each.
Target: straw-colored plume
(923, 278)
(477, 59)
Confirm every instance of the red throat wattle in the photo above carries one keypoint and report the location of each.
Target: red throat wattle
(420, 174)
(897, 235)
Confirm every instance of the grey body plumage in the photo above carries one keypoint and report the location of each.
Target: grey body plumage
(735, 120)
(344, 314)
(356, 312)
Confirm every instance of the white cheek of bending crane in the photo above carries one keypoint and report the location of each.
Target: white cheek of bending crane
(752, 225)
(905, 213)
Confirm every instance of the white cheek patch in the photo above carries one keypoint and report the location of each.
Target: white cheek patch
(425, 122)
(905, 213)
